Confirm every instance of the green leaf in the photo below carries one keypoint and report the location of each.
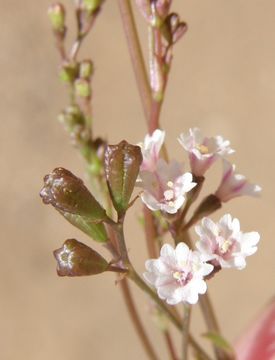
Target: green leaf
(219, 341)
(94, 230)
(122, 163)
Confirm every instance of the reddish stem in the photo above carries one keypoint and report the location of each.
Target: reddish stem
(136, 320)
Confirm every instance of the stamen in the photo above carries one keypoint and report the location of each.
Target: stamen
(177, 275)
(170, 184)
(225, 246)
(168, 194)
(202, 149)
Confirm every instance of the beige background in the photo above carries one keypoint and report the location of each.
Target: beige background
(223, 80)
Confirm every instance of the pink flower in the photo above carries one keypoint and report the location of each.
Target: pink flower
(224, 243)
(203, 151)
(178, 274)
(150, 149)
(165, 188)
(233, 185)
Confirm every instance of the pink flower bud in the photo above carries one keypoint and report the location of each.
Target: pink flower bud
(233, 185)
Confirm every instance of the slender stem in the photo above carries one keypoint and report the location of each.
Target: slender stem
(185, 330)
(119, 232)
(212, 323)
(129, 301)
(117, 269)
(80, 37)
(170, 345)
(157, 76)
(61, 47)
(150, 232)
(176, 321)
(210, 317)
(136, 55)
(128, 298)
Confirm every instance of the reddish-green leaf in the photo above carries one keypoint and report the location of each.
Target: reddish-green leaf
(96, 231)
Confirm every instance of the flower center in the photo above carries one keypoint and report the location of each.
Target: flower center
(182, 277)
(225, 246)
(202, 149)
(65, 257)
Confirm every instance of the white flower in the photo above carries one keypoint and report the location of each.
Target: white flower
(224, 243)
(150, 149)
(165, 188)
(178, 274)
(233, 185)
(203, 151)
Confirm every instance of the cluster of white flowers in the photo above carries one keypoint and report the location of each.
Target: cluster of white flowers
(178, 274)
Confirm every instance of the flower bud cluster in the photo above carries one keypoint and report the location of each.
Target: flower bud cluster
(68, 194)
(157, 14)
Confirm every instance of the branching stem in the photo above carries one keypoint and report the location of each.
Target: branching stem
(129, 301)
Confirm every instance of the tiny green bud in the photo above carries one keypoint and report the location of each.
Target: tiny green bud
(71, 117)
(68, 73)
(92, 5)
(86, 69)
(82, 88)
(56, 13)
(77, 259)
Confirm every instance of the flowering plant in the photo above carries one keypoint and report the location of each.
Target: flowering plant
(121, 174)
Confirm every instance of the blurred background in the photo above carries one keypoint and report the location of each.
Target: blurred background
(222, 80)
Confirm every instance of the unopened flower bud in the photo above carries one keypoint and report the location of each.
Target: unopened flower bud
(179, 32)
(92, 5)
(233, 185)
(162, 7)
(77, 259)
(68, 73)
(86, 69)
(71, 117)
(67, 193)
(57, 14)
(82, 88)
(208, 205)
(122, 163)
